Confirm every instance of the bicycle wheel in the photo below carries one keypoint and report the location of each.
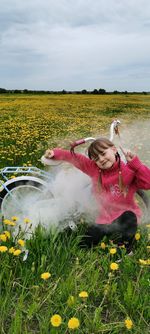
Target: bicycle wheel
(22, 198)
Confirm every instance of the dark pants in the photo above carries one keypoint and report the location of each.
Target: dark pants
(121, 230)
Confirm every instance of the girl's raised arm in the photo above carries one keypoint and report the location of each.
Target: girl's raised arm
(80, 161)
(142, 172)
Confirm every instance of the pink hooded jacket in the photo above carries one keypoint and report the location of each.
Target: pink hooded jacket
(112, 202)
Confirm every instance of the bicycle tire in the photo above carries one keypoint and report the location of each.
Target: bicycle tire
(16, 186)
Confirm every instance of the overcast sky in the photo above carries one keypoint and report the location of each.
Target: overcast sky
(75, 44)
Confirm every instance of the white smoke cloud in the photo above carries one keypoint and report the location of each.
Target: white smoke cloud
(71, 197)
(63, 200)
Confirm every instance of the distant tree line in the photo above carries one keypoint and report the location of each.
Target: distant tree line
(100, 91)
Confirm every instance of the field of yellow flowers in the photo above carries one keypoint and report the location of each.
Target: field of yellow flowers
(30, 122)
(47, 283)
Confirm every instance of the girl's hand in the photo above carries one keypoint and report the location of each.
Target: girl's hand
(49, 154)
(128, 154)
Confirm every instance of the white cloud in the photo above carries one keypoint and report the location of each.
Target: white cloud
(75, 45)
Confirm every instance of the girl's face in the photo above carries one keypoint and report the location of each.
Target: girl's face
(107, 158)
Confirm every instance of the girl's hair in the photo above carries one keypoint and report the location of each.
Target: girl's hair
(98, 146)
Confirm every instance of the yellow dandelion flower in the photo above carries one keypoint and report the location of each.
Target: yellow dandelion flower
(3, 249)
(144, 262)
(7, 233)
(45, 275)
(17, 252)
(137, 236)
(27, 220)
(113, 251)
(83, 294)
(3, 237)
(114, 266)
(14, 218)
(21, 242)
(12, 177)
(12, 223)
(73, 323)
(70, 301)
(128, 323)
(11, 250)
(6, 221)
(148, 247)
(56, 320)
(103, 245)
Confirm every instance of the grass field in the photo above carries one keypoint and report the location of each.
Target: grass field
(30, 122)
(80, 291)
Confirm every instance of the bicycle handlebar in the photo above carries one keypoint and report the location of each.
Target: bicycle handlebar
(81, 141)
